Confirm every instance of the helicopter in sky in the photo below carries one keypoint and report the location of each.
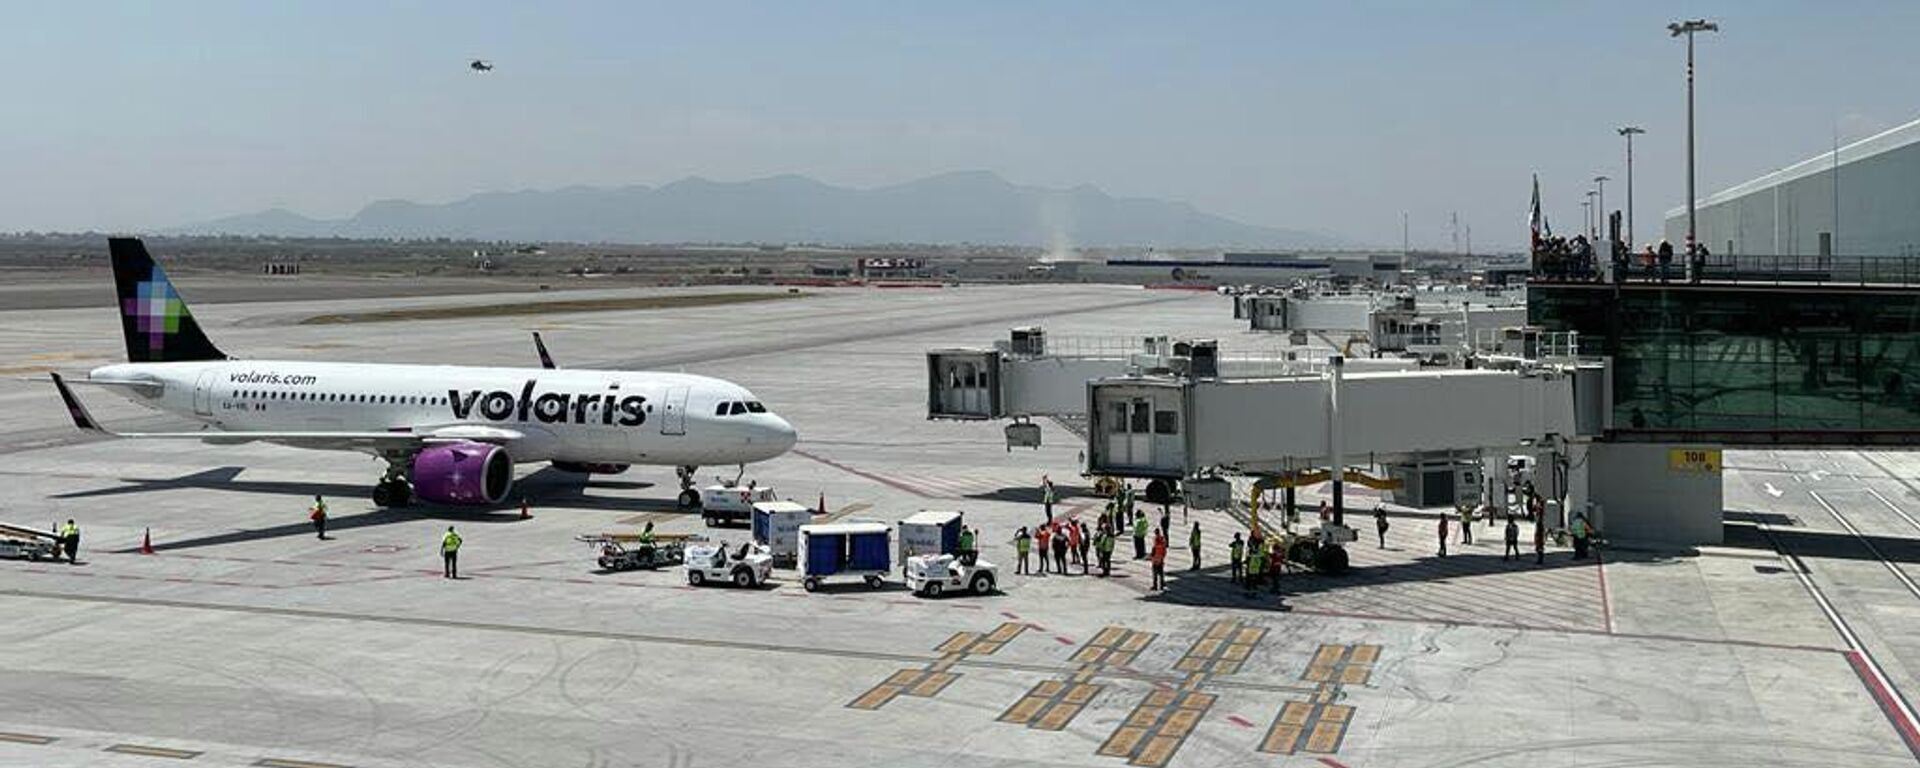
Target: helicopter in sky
(481, 65)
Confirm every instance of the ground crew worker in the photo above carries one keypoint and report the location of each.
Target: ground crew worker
(1073, 542)
(968, 555)
(1466, 524)
(1235, 549)
(1276, 563)
(1106, 551)
(1513, 540)
(1256, 563)
(450, 552)
(319, 516)
(1140, 535)
(1041, 538)
(1159, 558)
(1166, 522)
(1046, 495)
(1443, 534)
(1060, 552)
(70, 539)
(1022, 546)
(1380, 523)
(1085, 542)
(646, 538)
(1580, 532)
(1193, 543)
(1539, 541)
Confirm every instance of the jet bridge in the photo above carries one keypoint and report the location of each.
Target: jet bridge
(1177, 427)
(1031, 376)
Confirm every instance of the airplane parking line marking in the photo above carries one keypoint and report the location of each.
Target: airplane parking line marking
(280, 762)
(26, 738)
(934, 677)
(145, 751)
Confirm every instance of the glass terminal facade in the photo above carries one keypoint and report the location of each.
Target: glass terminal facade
(1748, 364)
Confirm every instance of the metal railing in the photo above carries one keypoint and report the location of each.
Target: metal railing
(1744, 269)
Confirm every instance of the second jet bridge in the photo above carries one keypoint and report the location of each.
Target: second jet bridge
(1180, 427)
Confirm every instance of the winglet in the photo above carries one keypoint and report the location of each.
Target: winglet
(546, 360)
(81, 418)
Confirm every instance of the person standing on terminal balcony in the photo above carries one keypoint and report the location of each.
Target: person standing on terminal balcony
(1665, 255)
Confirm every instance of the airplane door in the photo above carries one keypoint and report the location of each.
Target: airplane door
(203, 394)
(673, 419)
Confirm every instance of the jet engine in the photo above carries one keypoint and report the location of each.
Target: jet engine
(465, 473)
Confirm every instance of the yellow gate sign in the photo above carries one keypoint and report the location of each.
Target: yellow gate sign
(1694, 460)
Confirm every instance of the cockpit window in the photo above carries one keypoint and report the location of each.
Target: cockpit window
(754, 406)
(720, 410)
(739, 408)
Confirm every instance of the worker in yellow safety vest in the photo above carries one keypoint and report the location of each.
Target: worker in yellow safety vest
(450, 553)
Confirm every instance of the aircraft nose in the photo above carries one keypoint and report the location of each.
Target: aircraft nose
(781, 434)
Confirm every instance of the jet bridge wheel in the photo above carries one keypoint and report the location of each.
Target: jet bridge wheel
(1331, 559)
(1160, 491)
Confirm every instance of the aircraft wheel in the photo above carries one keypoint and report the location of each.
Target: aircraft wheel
(689, 499)
(383, 495)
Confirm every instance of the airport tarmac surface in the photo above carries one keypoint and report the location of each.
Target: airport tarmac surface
(247, 641)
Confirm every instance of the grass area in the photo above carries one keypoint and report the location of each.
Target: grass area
(625, 304)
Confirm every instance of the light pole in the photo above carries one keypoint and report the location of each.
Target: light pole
(1586, 210)
(1687, 28)
(1601, 183)
(1628, 131)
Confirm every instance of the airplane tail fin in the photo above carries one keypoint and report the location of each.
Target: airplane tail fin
(154, 318)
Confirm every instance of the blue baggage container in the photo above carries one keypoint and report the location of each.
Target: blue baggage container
(869, 552)
(826, 554)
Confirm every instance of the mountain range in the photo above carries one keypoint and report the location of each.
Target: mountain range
(964, 207)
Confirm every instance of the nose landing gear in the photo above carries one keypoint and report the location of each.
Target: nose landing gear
(689, 496)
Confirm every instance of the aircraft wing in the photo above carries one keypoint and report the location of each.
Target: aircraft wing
(406, 440)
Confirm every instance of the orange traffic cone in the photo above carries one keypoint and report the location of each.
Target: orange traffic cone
(523, 510)
(146, 542)
(823, 504)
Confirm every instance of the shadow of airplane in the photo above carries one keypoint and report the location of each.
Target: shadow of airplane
(547, 487)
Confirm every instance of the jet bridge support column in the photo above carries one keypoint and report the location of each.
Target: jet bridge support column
(1337, 461)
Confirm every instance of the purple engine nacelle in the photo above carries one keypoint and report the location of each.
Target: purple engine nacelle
(465, 473)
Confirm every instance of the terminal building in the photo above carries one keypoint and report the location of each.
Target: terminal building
(1862, 199)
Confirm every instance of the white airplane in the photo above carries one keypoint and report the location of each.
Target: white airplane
(450, 434)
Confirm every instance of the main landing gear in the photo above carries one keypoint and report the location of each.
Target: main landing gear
(393, 490)
(689, 496)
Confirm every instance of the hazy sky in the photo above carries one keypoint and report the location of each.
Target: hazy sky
(1330, 115)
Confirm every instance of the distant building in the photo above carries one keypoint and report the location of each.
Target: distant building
(1793, 211)
(280, 267)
